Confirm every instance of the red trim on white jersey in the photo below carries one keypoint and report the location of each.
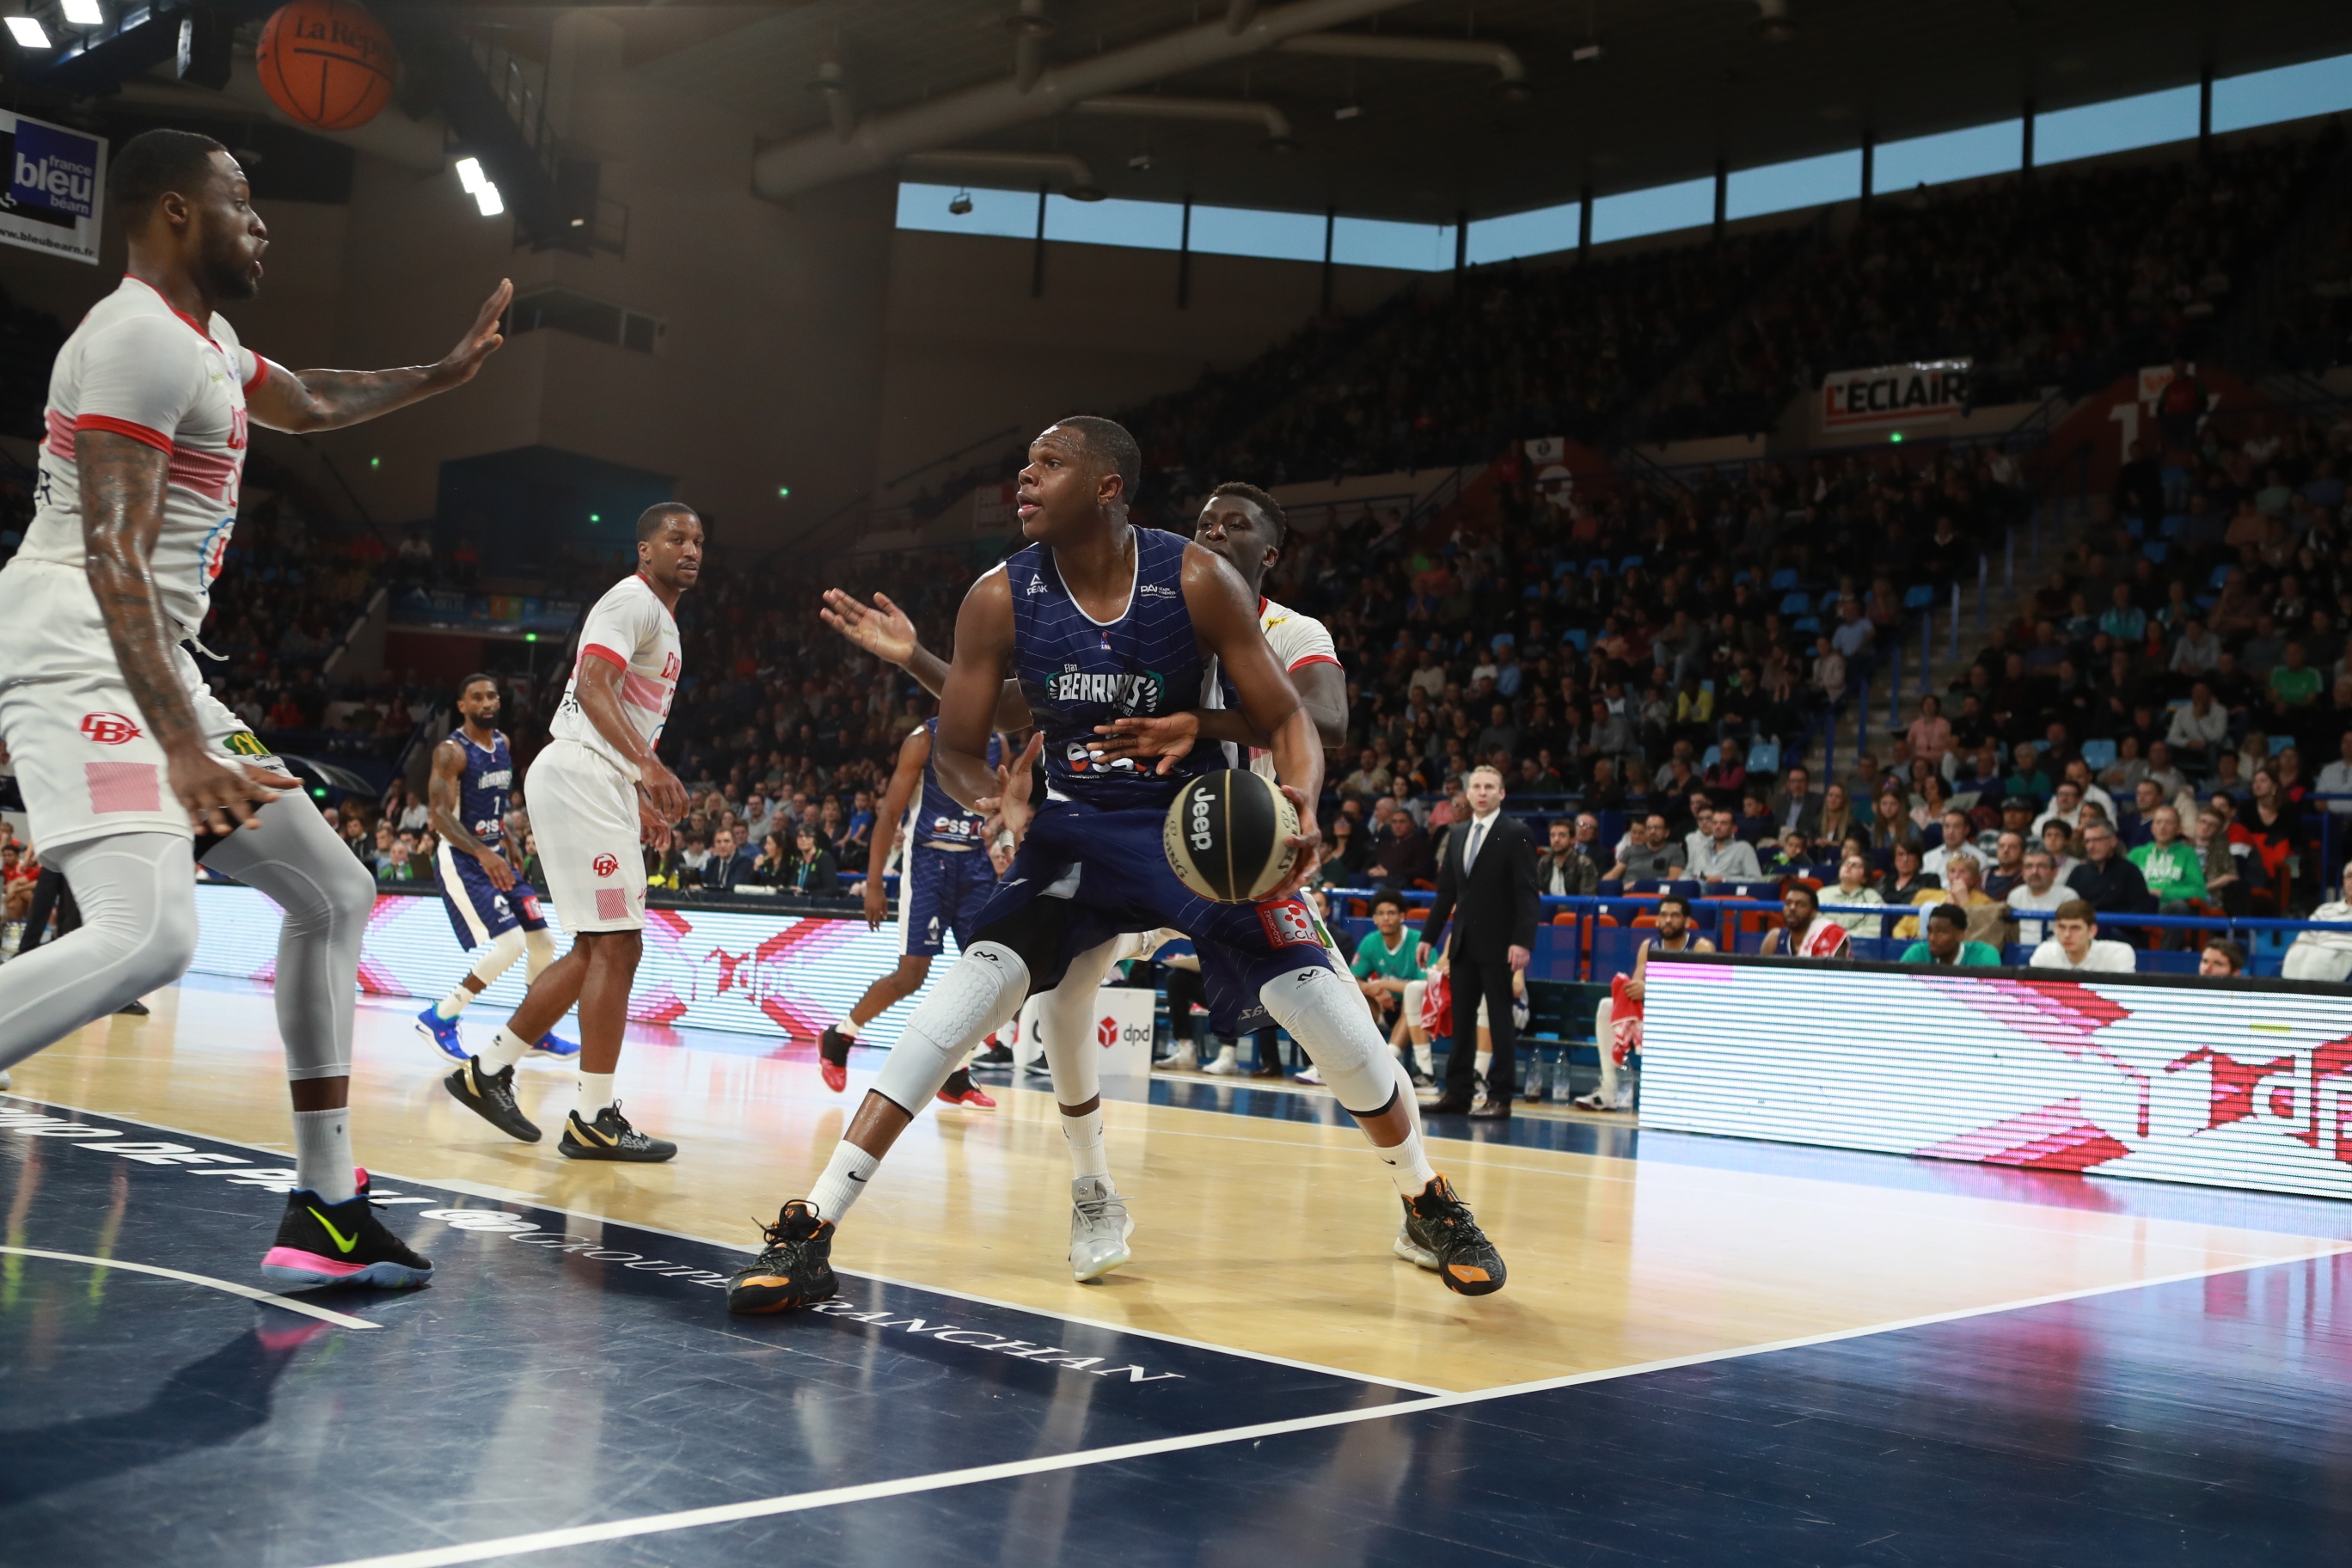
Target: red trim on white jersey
(598, 650)
(1314, 658)
(193, 325)
(260, 373)
(110, 423)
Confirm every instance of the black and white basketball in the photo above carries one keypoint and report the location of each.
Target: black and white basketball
(1226, 835)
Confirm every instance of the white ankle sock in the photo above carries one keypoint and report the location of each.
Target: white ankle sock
(847, 1028)
(505, 1049)
(595, 1094)
(1408, 1165)
(1084, 1135)
(845, 1175)
(452, 1004)
(322, 1154)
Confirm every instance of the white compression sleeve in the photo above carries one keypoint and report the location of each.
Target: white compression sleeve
(1328, 1019)
(295, 860)
(981, 992)
(1066, 1033)
(540, 951)
(500, 956)
(137, 896)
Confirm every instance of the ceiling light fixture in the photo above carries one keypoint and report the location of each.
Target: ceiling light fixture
(478, 186)
(27, 33)
(1348, 112)
(960, 203)
(1773, 23)
(84, 14)
(1584, 54)
(1139, 162)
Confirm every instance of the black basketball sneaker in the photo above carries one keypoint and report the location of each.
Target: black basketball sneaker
(832, 1058)
(490, 1096)
(610, 1137)
(796, 1269)
(1441, 1225)
(997, 1055)
(320, 1243)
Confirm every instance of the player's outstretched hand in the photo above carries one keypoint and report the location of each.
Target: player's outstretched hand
(1009, 806)
(481, 341)
(222, 796)
(1170, 738)
(1308, 842)
(882, 630)
(494, 866)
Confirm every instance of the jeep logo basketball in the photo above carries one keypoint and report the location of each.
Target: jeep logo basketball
(109, 729)
(1202, 837)
(606, 865)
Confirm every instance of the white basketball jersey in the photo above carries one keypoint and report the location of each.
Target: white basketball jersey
(1298, 641)
(631, 628)
(137, 367)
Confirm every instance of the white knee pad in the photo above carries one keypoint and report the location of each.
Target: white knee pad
(981, 992)
(538, 950)
(500, 956)
(1327, 1018)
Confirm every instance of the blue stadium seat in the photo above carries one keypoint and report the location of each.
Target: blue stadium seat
(2155, 550)
(1564, 568)
(1783, 578)
(2099, 754)
(1577, 636)
(2280, 743)
(1708, 760)
(1629, 564)
(1764, 757)
(2170, 526)
(1796, 604)
(1742, 575)
(1920, 599)
(2221, 575)
(1812, 624)
(2137, 528)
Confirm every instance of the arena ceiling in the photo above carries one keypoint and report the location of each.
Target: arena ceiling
(1675, 85)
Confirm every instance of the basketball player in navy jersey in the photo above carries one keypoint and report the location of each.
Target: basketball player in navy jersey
(473, 778)
(943, 883)
(1100, 620)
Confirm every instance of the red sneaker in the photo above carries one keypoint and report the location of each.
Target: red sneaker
(832, 1058)
(959, 1090)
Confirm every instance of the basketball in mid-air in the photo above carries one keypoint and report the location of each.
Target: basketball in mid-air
(1226, 835)
(327, 63)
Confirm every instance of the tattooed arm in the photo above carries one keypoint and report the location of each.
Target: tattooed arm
(305, 400)
(448, 766)
(123, 512)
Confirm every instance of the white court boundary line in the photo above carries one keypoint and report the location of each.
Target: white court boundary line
(501, 1195)
(832, 1497)
(230, 1286)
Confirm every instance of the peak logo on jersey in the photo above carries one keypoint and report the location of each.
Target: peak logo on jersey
(109, 729)
(1157, 591)
(605, 866)
(53, 168)
(1036, 586)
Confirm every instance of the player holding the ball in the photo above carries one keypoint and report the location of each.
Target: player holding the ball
(1100, 620)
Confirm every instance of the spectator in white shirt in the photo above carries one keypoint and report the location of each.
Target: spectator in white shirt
(2076, 944)
(2198, 651)
(1854, 887)
(2199, 729)
(2066, 807)
(2041, 891)
(2335, 778)
(1958, 841)
(2323, 954)
(1854, 632)
(2078, 773)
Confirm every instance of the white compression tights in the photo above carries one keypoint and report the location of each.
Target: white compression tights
(508, 945)
(295, 860)
(137, 896)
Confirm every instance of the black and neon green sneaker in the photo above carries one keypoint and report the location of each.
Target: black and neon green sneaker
(320, 1243)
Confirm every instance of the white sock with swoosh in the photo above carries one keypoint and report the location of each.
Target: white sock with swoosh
(322, 1154)
(845, 1175)
(595, 1094)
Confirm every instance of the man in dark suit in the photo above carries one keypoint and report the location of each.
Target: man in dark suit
(1489, 877)
(1796, 804)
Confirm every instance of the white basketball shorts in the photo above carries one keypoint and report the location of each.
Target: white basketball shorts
(584, 813)
(75, 736)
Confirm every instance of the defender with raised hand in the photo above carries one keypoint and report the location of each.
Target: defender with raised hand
(122, 752)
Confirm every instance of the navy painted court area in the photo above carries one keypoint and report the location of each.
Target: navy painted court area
(570, 1390)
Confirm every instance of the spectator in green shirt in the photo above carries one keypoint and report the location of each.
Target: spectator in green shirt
(2294, 683)
(1947, 942)
(2173, 868)
(1387, 967)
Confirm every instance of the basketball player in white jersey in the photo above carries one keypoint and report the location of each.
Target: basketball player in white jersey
(591, 795)
(123, 754)
(1247, 526)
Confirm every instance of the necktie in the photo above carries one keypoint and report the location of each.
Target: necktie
(1470, 850)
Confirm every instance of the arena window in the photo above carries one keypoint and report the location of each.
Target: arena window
(1790, 187)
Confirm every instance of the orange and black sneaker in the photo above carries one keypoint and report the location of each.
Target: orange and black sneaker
(1441, 1224)
(832, 1058)
(796, 1269)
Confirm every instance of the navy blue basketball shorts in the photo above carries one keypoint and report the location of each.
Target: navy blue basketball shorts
(942, 890)
(1084, 876)
(478, 912)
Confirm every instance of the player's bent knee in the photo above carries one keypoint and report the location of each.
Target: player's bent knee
(1328, 1019)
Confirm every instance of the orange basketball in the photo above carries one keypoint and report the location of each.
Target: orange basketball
(327, 63)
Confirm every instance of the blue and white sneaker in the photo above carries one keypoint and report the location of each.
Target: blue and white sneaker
(556, 1046)
(443, 1033)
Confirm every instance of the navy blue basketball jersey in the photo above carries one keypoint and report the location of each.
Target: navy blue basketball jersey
(937, 818)
(1078, 672)
(484, 786)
